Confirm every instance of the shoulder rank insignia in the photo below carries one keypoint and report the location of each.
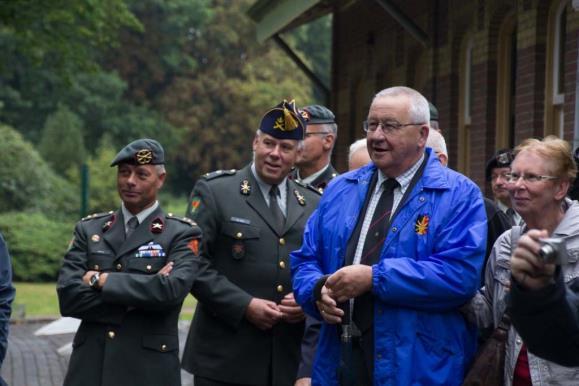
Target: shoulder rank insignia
(96, 215)
(219, 173)
(300, 197)
(157, 225)
(421, 225)
(185, 220)
(245, 188)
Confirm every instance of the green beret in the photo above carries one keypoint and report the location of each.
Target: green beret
(316, 114)
(143, 151)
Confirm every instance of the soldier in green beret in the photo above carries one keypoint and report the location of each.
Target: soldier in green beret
(247, 326)
(125, 275)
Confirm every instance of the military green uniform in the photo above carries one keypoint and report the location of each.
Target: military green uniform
(321, 181)
(128, 335)
(249, 258)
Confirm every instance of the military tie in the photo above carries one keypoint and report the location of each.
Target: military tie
(132, 225)
(276, 212)
(363, 305)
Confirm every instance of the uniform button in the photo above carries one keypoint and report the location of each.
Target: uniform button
(163, 347)
(282, 241)
(111, 334)
(376, 234)
(149, 267)
(282, 264)
(119, 266)
(518, 341)
(239, 235)
(279, 288)
(96, 266)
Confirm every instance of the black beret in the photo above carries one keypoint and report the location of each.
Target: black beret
(283, 122)
(501, 159)
(143, 151)
(433, 112)
(316, 114)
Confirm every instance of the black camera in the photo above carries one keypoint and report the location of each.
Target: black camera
(554, 251)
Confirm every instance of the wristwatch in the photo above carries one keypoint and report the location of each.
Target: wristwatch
(94, 281)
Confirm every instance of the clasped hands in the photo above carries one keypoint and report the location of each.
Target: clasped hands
(346, 283)
(265, 314)
(528, 269)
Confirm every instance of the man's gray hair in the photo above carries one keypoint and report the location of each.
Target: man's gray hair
(160, 169)
(300, 142)
(356, 146)
(419, 109)
(436, 142)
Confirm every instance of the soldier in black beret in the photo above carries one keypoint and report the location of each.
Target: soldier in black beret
(313, 165)
(247, 326)
(496, 172)
(125, 275)
(433, 117)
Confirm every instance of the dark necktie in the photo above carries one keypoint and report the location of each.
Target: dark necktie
(132, 224)
(276, 212)
(511, 216)
(363, 305)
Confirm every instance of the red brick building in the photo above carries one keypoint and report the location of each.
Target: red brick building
(499, 71)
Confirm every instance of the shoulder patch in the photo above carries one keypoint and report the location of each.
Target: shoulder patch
(219, 173)
(309, 187)
(185, 220)
(97, 215)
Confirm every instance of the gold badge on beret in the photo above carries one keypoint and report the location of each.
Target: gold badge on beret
(144, 156)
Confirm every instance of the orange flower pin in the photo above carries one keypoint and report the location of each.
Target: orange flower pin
(421, 225)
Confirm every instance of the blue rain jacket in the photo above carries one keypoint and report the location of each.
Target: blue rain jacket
(429, 266)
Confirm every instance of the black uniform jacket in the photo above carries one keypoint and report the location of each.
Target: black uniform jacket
(128, 335)
(248, 258)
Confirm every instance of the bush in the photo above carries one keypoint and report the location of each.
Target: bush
(28, 183)
(37, 244)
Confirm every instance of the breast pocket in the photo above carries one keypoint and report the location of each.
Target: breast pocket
(241, 239)
(100, 261)
(146, 265)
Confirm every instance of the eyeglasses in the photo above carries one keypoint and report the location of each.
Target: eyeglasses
(503, 176)
(388, 127)
(316, 133)
(527, 178)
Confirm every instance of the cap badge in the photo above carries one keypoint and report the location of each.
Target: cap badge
(144, 156)
(245, 188)
(95, 238)
(504, 158)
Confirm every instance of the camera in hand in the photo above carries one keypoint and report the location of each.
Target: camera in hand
(554, 251)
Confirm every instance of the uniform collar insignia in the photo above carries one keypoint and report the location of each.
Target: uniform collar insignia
(245, 188)
(157, 225)
(300, 197)
(422, 223)
(107, 225)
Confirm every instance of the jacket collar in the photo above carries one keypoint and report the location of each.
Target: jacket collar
(434, 176)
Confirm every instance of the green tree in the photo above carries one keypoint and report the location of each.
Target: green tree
(62, 144)
(64, 35)
(27, 183)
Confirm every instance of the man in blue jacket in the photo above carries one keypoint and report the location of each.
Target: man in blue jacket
(394, 249)
(6, 297)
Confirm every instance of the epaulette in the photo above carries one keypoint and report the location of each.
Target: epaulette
(308, 186)
(185, 220)
(96, 215)
(219, 173)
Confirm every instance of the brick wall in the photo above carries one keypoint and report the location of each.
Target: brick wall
(372, 51)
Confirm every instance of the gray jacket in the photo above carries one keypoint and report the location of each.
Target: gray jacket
(488, 306)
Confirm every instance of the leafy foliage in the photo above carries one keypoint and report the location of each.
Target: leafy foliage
(37, 244)
(64, 35)
(62, 145)
(27, 182)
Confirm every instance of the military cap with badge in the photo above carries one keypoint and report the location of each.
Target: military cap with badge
(502, 159)
(141, 152)
(316, 114)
